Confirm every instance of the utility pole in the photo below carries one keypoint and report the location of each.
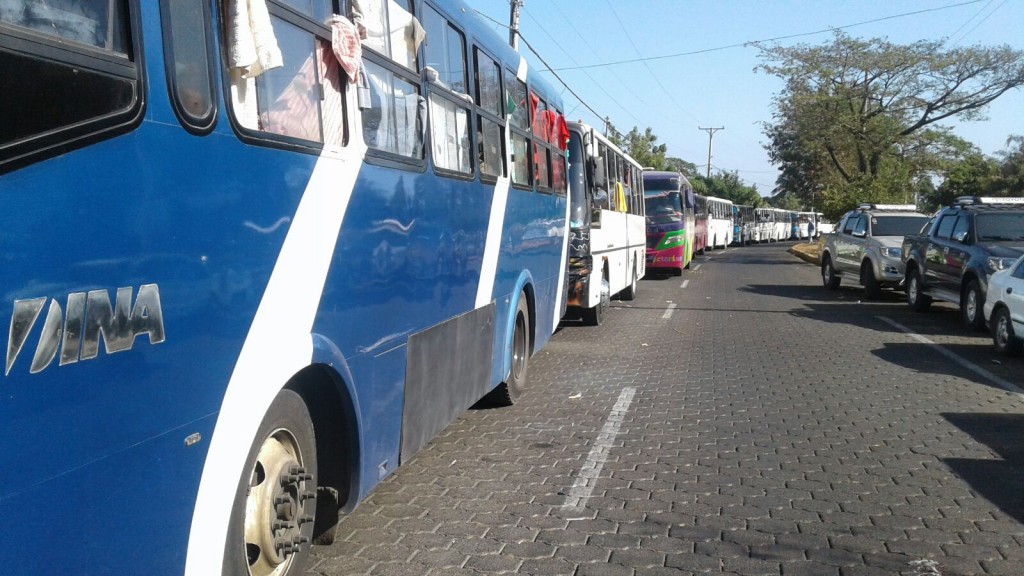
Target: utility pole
(711, 136)
(513, 24)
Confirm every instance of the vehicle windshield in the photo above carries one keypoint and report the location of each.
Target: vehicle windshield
(579, 205)
(663, 208)
(897, 225)
(995, 226)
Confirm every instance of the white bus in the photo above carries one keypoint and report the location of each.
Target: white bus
(783, 225)
(764, 224)
(608, 232)
(719, 222)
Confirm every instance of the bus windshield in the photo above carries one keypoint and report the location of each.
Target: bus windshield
(664, 208)
(579, 211)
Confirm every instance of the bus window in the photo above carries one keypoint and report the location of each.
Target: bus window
(490, 128)
(541, 154)
(579, 201)
(391, 29)
(188, 46)
(519, 119)
(83, 55)
(449, 115)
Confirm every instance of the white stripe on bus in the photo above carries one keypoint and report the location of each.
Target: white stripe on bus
(277, 346)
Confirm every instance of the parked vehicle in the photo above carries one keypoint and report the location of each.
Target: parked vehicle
(1004, 309)
(953, 257)
(866, 247)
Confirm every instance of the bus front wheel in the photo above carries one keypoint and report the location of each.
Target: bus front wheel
(271, 526)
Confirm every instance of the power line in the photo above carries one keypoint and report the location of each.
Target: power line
(980, 22)
(776, 39)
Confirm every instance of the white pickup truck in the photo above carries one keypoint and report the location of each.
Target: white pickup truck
(865, 247)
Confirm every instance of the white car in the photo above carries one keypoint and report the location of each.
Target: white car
(1004, 308)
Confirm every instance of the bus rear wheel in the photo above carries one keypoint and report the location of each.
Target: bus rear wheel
(508, 392)
(271, 526)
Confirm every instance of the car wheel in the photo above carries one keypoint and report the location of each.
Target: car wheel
(828, 275)
(971, 302)
(1003, 337)
(918, 301)
(872, 287)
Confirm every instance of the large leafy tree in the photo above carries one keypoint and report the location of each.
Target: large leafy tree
(643, 147)
(861, 120)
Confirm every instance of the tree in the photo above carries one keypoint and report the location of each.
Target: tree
(861, 117)
(643, 148)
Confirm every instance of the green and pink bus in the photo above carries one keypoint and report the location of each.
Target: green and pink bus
(669, 201)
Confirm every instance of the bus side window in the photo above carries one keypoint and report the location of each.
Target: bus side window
(558, 140)
(518, 111)
(77, 73)
(445, 61)
(490, 116)
(541, 154)
(301, 98)
(187, 49)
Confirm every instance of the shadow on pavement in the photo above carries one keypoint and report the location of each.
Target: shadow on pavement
(999, 481)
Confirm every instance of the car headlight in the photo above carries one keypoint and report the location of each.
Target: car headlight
(893, 252)
(996, 263)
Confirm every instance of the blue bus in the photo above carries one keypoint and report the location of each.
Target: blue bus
(255, 257)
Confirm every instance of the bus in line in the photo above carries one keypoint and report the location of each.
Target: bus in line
(719, 222)
(743, 224)
(700, 224)
(783, 224)
(244, 283)
(607, 235)
(764, 224)
(669, 202)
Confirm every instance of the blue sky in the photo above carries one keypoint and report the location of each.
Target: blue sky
(676, 95)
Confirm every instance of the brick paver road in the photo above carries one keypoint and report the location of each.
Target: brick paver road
(737, 420)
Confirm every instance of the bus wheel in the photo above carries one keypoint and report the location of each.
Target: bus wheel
(271, 526)
(630, 292)
(509, 391)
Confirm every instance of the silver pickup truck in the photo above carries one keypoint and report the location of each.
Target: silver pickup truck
(866, 247)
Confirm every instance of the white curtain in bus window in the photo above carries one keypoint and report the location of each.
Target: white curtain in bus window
(449, 135)
(288, 98)
(94, 22)
(392, 122)
(392, 30)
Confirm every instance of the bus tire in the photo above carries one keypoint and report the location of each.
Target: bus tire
(511, 390)
(271, 527)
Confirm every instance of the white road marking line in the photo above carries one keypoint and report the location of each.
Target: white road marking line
(668, 313)
(684, 284)
(1008, 386)
(576, 497)
(696, 267)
